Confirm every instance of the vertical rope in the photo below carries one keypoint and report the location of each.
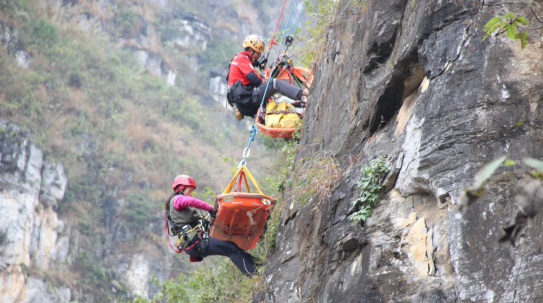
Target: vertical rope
(295, 4)
(299, 17)
(287, 28)
(272, 42)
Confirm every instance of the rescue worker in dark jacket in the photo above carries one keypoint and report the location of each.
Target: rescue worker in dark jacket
(251, 84)
(182, 208)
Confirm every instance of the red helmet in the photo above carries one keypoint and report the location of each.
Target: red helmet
(184, 180)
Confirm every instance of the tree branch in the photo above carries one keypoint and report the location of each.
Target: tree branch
(531, 8)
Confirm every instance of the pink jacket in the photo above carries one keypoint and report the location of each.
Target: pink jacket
(180, 203)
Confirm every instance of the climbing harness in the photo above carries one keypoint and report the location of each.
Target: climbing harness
(183, 231)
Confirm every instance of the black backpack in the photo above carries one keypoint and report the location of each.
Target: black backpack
(239, 94)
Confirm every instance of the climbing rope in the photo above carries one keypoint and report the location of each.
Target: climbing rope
(287, 28)
(299, 17)
(292, 30)
(272, 42)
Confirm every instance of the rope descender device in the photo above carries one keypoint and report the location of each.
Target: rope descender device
(289, 40)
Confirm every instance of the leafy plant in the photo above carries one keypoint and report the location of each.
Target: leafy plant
(370, 188)
(41, 34)
(272, 227)
(507, 23)
(482, 179)
(222, 282)
(94, 273)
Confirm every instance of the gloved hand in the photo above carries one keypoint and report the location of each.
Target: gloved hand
(262, 63)
(213, 212)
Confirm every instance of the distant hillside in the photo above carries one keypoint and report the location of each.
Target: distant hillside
(117, 92)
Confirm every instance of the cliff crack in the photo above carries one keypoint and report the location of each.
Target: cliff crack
(291, 217)
(28, 150)
(460, 51)
(393, 95)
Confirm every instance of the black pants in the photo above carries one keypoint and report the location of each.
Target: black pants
(276, 86)
(243, 260)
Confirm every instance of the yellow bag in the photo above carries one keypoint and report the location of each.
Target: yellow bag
(282, 115)
(272, 119)
(289, 121)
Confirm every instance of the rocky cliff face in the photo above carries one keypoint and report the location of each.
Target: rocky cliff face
(38, 250)
(31, 235)
(414, 81)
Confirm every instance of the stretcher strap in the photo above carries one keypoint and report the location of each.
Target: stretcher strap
(248, 173)
(243, 171)
(228, 188)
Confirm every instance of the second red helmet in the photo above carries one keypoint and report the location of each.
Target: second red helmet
(186, 181)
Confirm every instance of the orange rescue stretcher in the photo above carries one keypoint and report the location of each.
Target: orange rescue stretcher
(273, 132)
(294, 75)
(241, 216)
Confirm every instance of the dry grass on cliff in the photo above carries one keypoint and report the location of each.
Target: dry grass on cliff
(55, 276)
(315, 177)
(322, 14)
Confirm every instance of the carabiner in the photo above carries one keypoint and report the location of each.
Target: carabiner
(246, 153)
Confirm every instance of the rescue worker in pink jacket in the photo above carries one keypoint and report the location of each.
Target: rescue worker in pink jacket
(183, 217)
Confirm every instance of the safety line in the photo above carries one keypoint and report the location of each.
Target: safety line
(272, 42)
(299, 16)
(295, 4)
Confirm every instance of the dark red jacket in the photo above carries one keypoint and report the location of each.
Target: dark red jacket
(241, 68)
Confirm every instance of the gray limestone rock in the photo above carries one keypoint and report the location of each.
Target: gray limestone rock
(53, 183)
(20, 160)
(473, 102)
(29, 229)
(23, 58)
(39, 292)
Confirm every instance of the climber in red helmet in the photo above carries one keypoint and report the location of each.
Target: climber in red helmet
(181, 208)
(246, 87)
